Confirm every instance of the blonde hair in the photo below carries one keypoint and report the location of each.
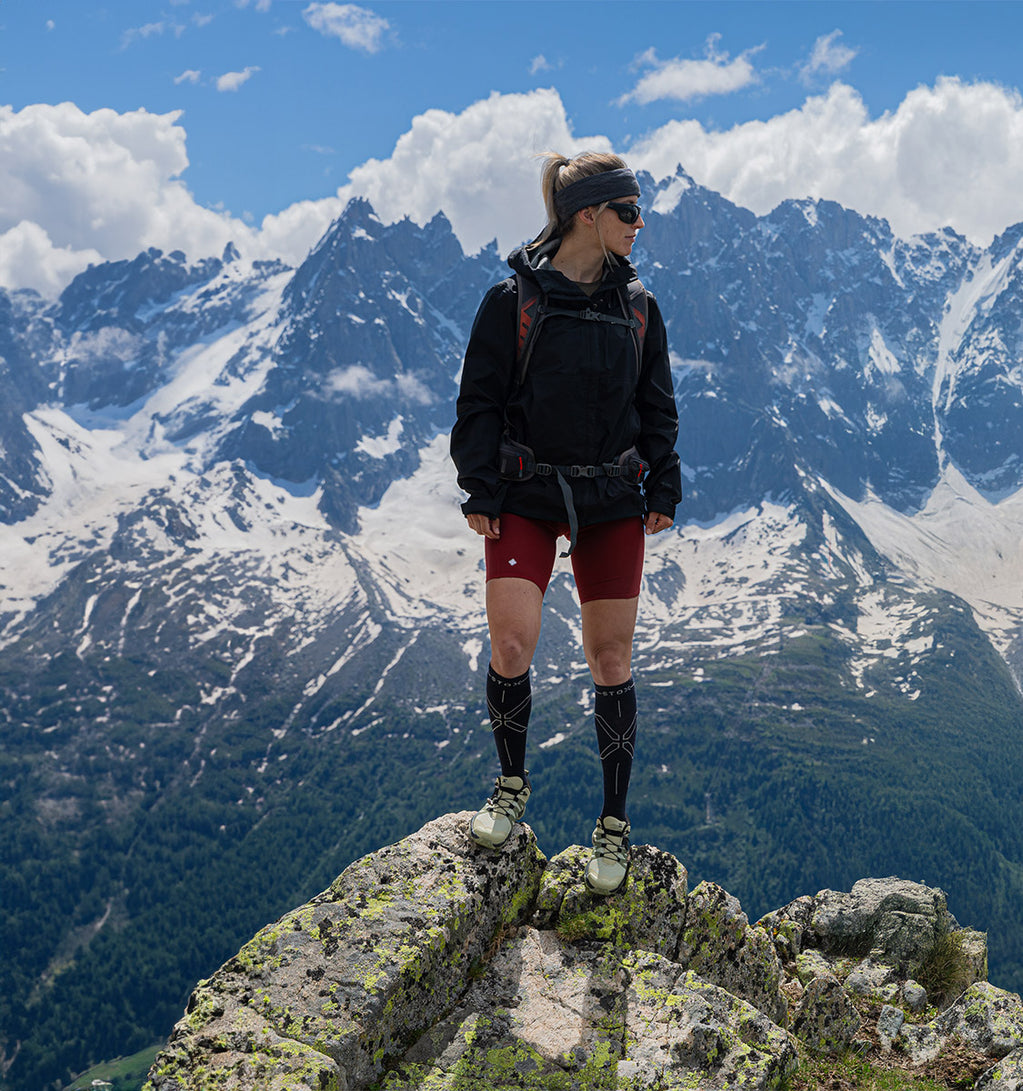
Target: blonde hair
(560, 171)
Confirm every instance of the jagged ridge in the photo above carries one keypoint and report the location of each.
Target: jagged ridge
(432, 964)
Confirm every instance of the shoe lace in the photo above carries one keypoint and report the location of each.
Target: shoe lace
(505, 800)
(611, 846)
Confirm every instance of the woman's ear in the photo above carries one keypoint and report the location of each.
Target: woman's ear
(588, 215)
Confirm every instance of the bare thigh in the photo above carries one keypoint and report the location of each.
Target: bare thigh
(608, 628)
(514, 609)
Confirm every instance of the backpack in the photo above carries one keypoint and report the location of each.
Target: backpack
(532, 310)
(516, 461)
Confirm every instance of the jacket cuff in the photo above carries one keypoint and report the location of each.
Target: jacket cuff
(662, 507)
(482, 504)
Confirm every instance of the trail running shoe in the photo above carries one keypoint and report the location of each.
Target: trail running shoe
(608, 867)
(492, 825)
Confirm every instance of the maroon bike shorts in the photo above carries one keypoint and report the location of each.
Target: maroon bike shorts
(607, 561)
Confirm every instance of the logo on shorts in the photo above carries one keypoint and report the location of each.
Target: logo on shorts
(512, 562)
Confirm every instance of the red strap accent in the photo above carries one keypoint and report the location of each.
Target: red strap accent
(526, 316)
(641, 319)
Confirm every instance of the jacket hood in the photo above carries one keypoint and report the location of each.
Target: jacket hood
(536, 266)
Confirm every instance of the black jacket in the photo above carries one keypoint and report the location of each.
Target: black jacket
(582, 402)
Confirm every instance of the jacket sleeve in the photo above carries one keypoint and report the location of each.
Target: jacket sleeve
(486, 380)
(655, 400)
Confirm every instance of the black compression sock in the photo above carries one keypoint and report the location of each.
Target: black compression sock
(614, 709)
(509, 701)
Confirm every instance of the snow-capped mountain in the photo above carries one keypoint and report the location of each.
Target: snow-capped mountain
(233, 571)
(223, 408)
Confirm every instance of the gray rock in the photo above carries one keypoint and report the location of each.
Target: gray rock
(719, 945)
(786, 926)
(974, 949)
(332, 990)
(914, 995)
(682, 1030)
(870, 978)
(545, 1010)
(920, 1044)
(889, 1022)
(1006, 1075)
(894, 921)
(826, 1020)
(549, 1013)
(987, 1019)
(648, 914)
(984, 1018)
(434, 964)
(811, 964)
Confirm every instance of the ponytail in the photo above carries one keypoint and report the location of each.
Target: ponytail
(560, 171)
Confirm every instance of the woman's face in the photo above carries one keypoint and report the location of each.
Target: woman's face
(618, 237)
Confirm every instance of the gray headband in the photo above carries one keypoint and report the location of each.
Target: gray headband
(595, 190)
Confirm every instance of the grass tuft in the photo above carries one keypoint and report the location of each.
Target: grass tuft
(943, 971)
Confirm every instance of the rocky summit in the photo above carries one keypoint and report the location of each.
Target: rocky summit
(431, 964)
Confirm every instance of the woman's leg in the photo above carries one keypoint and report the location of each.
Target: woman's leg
(608, 628)
(514, 605)
(513, 615)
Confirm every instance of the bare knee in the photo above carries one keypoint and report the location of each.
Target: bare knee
(513, 614)
(511, 654)
(610, 662)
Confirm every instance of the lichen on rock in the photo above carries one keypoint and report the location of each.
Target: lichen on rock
(826, 1019)
(351, 978)
(720, 945)
(432, 965)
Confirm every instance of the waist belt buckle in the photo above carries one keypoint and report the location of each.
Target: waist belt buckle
(583, 471)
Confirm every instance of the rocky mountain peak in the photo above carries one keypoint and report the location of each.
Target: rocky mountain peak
(431, 963)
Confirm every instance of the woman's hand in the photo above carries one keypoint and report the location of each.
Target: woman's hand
(655, 522)
(483, 524)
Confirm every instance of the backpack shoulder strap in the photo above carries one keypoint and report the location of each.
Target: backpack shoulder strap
(530, 313)
(636, 305)
(531, 309)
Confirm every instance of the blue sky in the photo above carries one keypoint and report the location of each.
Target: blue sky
(123, 121)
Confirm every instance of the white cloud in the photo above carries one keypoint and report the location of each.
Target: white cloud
(50, 24)
(150, 30)
(357, 27)
(294, 231)
(478, 166)
(190, 75)
(540, 64)
(231, 81)
(685, 80)
(28, 259)
(951, 154)
(78, 188)
(202, 20)
(260, 5)
(358, 381)
(828, 57)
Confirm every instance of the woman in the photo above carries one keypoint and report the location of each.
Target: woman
(554, 434)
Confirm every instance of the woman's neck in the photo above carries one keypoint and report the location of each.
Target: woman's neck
(579, 260)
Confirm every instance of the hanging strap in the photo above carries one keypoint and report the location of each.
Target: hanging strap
(630, 468)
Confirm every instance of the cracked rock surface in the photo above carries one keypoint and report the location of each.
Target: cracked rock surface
(434, 965)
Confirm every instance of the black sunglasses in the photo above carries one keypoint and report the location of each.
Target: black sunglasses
(627, 213)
